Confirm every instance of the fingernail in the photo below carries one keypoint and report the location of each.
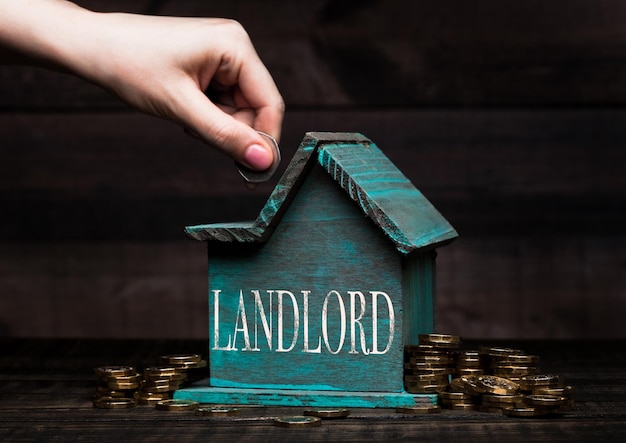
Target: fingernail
(258, 157)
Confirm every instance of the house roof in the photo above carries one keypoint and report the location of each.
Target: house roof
(368, 177)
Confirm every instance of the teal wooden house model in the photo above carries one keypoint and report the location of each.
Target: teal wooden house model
(313, 302)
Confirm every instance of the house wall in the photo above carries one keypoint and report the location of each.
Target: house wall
(331, 290)
(509, 116)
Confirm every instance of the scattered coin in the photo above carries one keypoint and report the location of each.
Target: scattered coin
(176, 405)
(297, 422)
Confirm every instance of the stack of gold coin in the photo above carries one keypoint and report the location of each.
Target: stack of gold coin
(155, 384)
(510, 363)
(159, 382)
(116, 382)
(548, 386)
(456, 400)
(190, 364)
(497, 403)
(469, 362)
(498, 393)
(428, 365)
(566, 391)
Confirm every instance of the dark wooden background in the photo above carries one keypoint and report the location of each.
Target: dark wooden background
(509, 116)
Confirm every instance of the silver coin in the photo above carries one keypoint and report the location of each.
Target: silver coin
(252, 176)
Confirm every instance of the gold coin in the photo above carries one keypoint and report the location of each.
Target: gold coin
(114, 403)
(551, 380)
(506, 399)
(431, 371)
(177, 359)
(432, 359)
(161, 371)
(469, 371)
(424, 389)
(566, 391)
(470, 384)
(134, 378)
(499, 351)
(525, 412)
(157, 389)
(454, 396)
(497, 385)
(114, 371)
(520, 359)
(439, 338)
(520, 371)
(123, 386)
(424, 349)
(426, 377)
(468, 363)
(193, 365)
(156, 382)
(177, 405)
(217, 411)
(464, 407)
(328, 413)
(550, 401)
(297, 422)
(419, 409)
(467, 353)
(456, 385)
(178, 376)
(425, 366)
(148, 401)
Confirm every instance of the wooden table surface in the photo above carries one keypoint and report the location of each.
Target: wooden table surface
(46, 389)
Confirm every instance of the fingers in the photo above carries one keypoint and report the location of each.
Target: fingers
(231, 134)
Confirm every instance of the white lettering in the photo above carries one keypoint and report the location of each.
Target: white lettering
(241, 314)
(342, 312)
(392, 322)
(216, 323)
(259, 310)
(354, 320)
(296, 321)
(305, 318)
(287, 334)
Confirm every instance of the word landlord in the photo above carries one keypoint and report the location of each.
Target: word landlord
(355, 322)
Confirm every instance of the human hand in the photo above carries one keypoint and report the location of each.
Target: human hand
(162, 66)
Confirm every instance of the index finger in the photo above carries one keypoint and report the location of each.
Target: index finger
(259, 89)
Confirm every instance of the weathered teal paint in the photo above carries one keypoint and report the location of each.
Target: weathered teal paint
(321, 245)
(319, 399)
(354, 291)
(419, 294)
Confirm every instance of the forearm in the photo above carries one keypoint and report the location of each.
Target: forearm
(46, 32)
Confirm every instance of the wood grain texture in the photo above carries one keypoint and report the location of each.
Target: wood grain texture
(375, 184)
(47, 385)
(330, 53)
(507, 115)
